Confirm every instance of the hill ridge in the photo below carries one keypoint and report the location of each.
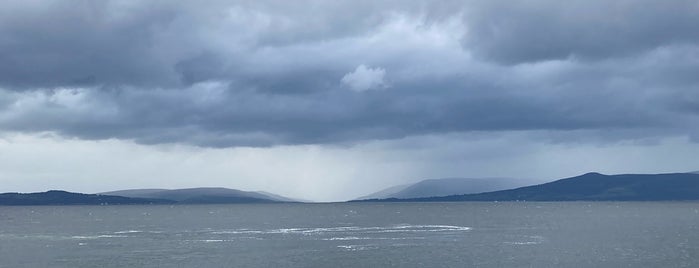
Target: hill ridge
(591, 186)
(61, 197)
(446, 186)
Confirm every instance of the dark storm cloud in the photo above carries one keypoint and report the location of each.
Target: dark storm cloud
(48, 44)
(524, 31)
(157, 43)
(264, 73)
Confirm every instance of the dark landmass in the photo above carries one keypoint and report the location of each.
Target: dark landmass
(280, 198)
(386, 193)
(68, 198)
(142, 196)
(588, 187)
(447, 186)
(208, 195)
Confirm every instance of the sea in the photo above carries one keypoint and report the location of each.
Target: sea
(469, 234)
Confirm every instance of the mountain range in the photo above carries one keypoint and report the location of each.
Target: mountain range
(586, 187)
(205, 195)
(67, 198)
(447, 186)
(143, 196)
(589, 187)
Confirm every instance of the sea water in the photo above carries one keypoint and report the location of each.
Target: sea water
(487, 234)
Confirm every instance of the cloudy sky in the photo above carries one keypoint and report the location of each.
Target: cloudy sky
(330, 100)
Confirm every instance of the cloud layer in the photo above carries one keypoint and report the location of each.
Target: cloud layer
(263, 73)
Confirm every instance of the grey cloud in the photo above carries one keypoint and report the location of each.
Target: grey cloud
(220, 116)
(262, 73)
(526, 31)
(56, 44)
(158, 43)
(176, 43)
(203, 67)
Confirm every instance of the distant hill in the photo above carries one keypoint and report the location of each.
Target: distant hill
(592, 187)
(386, 193)
(68, 198)
(208, 195)
(446, 186)
(280, 198)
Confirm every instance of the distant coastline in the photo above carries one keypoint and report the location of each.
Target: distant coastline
(142, 197)
(586, 187)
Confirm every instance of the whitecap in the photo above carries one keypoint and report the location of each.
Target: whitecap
(351, 229)
(97, 236)
(128, 232)
(213, 240)
(346, 238)
(524, 243)
(532, 240)
(356, 247)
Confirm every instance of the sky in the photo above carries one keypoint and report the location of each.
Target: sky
(331, 100)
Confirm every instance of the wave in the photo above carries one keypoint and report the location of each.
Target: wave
(338, 233)
(96, 236)
(371, 238)
(351, 229)
(357, 247)
(532, 240)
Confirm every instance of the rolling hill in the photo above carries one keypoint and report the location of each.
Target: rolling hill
(591, 187)
(55, 197)
(206, 195)
(446, 186)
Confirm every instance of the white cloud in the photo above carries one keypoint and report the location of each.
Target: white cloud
(365, 78)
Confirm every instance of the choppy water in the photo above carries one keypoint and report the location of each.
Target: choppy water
(573, 234)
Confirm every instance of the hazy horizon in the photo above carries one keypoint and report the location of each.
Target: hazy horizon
(332, 100)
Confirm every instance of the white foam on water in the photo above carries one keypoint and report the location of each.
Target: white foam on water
(129, 232)
(427, 228)
(532, 240)
(351, 229)
(370, 238)
(346, 238)
(213, 240)
(356, 247)
(250, 237)
(523, 243)
(405, 245)
(37, 236)
(97, 236)
(240, 231)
